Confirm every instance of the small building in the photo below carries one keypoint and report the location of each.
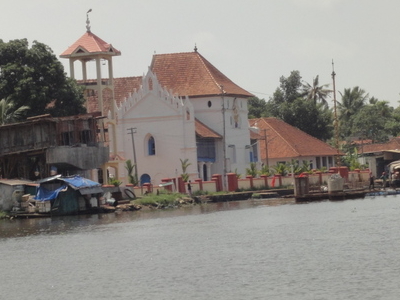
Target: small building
(379, 155)
(59, 195)
(11, 192)
(32, 148)
(282, 143)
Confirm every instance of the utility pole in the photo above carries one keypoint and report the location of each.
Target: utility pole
(131, 132)
(266, 147)
(336, 117)
(224, 135)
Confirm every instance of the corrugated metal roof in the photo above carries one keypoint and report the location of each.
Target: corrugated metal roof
(16, 182)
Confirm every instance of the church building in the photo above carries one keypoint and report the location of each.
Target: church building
(182, 113)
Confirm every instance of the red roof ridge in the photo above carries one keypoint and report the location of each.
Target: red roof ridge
(201, 58)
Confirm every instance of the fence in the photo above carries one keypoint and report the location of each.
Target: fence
(353, 180)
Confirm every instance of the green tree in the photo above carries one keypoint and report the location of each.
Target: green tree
(351, 103)
(370, 121)
(9, 113)
(289, 89)
(314, 119)
(315, 92)
(392, 125)
(34, 77)
(289, 103)
(257, 108)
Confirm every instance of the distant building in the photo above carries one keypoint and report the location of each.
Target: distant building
(282, 142)
(44, 145)
(379, 156)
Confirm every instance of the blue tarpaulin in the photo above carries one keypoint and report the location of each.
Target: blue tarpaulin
(76, 182)
(44, 194)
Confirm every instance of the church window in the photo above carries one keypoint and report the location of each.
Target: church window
(151, 145)
(209, 103)
(150, 84)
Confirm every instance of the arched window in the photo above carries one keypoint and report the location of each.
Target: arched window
(151, 146)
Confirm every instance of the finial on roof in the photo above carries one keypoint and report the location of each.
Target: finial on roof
(195, 48)
(87, 20)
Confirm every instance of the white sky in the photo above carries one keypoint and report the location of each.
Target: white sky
(253, 42)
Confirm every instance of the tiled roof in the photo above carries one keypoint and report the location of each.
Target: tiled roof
(393, 144)
(122, 87)
(90, 43)
(190, 74)
(285, 141)
(204, 131)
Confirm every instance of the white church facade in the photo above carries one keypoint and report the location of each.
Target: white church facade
(183, 109)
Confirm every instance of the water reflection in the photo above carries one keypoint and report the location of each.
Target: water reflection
(61, 224)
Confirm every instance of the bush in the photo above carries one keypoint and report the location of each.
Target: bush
(162, 199)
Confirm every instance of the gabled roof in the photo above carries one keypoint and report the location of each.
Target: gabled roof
(393, 144)
(205, 132)
(285, 141)
(89, 43)
(190, 74)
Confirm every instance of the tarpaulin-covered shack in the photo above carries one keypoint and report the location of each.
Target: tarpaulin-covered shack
(68, 195)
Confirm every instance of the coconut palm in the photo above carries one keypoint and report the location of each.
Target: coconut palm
(315, 92)
(352, 101)
(9, 113)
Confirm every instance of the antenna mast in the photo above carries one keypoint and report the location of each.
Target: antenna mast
(336, 122)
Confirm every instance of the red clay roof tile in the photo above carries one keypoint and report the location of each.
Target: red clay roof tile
(286, 141)
(204, 131)
(190, 74)
(90, 43)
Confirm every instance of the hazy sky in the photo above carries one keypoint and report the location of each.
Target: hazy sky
(253, 42)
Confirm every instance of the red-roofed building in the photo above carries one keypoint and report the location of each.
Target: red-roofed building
(183, 108)
(285, 142)
(379, 156)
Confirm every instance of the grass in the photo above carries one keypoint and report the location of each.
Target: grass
(2, 215)
(163, 199)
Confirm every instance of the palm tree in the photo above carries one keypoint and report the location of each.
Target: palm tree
(352, 101)
(315, 92)
(280, 169)
(252, 170)
(9, 113)
(130, 167)
(185, 164)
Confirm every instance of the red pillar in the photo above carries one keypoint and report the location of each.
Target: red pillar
(232, 182)
(344, 172)
(181, 186)
(200, 182)
(147, 186)
(218, 181)
(265, 177)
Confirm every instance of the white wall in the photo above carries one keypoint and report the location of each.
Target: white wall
(152, 111)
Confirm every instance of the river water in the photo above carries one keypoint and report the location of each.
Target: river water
(252, 249)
